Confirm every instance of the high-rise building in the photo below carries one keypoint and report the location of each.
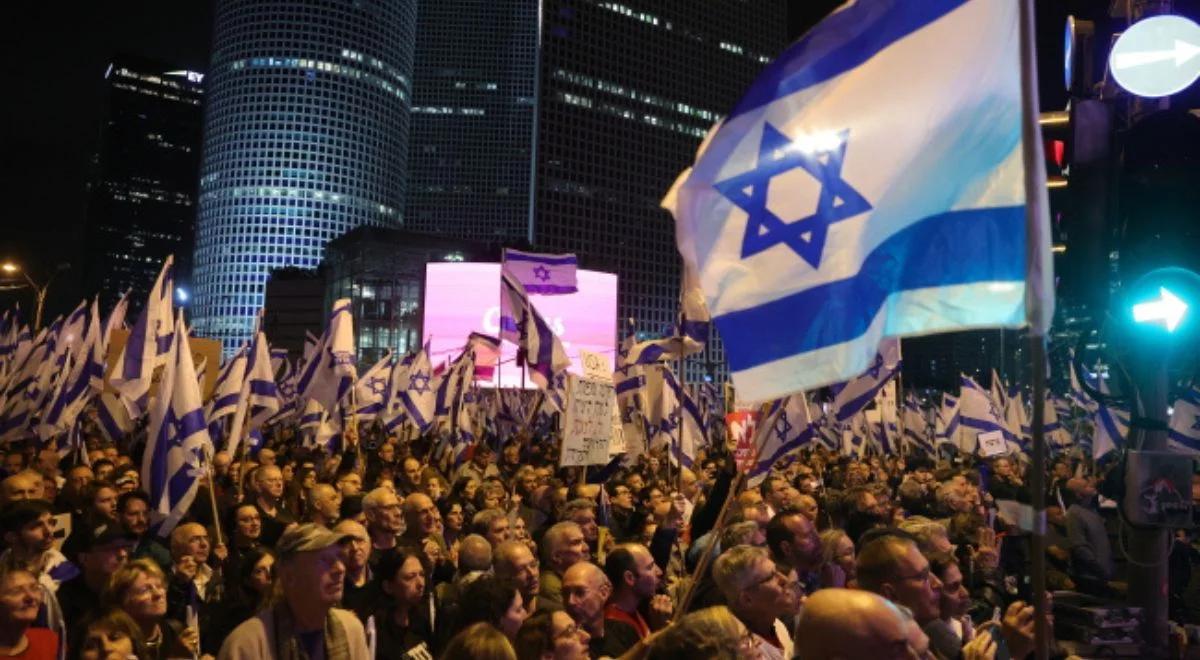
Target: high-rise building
(628, 90)
(474, 101)
(305, 138)
(142, 200)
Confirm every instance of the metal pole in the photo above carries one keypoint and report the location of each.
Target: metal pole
(1148, 548)
(1037, 484)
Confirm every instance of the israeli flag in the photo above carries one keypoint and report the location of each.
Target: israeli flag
(416, 392)
(522, 325)
(788, 427)
(856, 394)
(177, 441)
(372, 388)
(547, 274)
(683, 423)
(1184, 432)
(1110, 428)
(258, 399)
(330, 371)
(947, 421)
(979, 414)
(147, 344)
(870, 184)
(227, 388)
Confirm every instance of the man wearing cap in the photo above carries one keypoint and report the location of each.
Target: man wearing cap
(103, 551)
(304, 623)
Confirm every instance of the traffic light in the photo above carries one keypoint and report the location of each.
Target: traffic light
(1160, 304)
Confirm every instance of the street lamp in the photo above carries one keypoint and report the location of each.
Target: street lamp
(39, 291)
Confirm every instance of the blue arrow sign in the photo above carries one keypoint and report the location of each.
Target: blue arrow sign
(1157, 56)
(1168, 310)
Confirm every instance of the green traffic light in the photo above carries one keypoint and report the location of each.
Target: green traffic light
(1169, 310)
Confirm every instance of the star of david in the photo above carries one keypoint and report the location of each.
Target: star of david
(378, 386)
(873, 370)
(782, 427)
(419, 382)
(836, 201)
(1196, 426)
(542, 273)
(560, 380)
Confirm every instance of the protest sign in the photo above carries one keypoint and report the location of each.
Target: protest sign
(588, 422)
(992, 444)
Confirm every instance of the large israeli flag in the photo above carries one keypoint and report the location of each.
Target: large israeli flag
(870, 184)
(789, 426)
(177, 440)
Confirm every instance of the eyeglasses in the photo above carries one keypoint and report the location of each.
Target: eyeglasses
(923, 576)
(570, 631)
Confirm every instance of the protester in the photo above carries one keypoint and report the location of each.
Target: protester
(402, 626)
(139, 589)
(585, 591)
(551, 636)
(304, 618)
(480, 641)
(112, 635)
(20, 601)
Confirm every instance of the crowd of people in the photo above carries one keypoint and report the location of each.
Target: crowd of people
(290, 553)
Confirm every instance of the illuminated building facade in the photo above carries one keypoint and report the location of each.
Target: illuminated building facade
(305, 138)
(141, 204)
(474, 100)
(628, 91)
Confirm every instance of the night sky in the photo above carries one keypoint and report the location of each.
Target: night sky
(53, 73)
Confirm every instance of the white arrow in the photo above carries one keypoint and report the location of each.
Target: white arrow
(1168, 308)
(1182, 52)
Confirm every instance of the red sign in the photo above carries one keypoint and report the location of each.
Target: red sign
(741, 434)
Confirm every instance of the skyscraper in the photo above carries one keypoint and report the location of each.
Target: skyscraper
(141, 205)
(305, 138)
(474, 101)
(628, 91)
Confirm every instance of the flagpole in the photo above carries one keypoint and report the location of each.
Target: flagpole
(212, 499)
(1034, 173)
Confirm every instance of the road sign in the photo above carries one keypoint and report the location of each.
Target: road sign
(1157, 56)
(1168, 310)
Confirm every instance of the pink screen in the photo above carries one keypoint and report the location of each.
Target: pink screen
(461, 298)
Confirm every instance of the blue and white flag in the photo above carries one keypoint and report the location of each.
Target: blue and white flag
(227, 388)
(978, 413)
(1110, 428)
(1184, 432)
(82, 381)
(328, 374)
(177, 442)
(787, 426)
(112, 416)
(1079, 396)
(683, 423)
(547, 274)
(259, 398)
(372, 388)
(416, 389)
(147, 344)
(856, 394)
(522, 325)
(1056, 435)
(868, 185)
(947, 422)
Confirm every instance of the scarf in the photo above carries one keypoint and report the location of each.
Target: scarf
(289, 647)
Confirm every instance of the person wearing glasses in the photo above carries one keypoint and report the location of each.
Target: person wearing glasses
(893, 567)
(140, 589)
(551, 636)
(758, 594)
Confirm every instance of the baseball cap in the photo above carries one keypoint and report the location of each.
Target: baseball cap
(308, 537)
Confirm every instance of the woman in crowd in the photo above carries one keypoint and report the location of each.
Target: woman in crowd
(112, 635)
(495, 601)
(838, 552)
(20, 600)
(402, 623)
(551, 635)
(247, 594)
(139, 588)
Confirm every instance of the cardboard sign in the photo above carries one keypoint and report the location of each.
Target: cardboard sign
(588, 422)
(992, 444)
(741, 433)
(595, 366)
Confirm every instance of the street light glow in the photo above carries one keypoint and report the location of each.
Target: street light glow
(9, 267)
